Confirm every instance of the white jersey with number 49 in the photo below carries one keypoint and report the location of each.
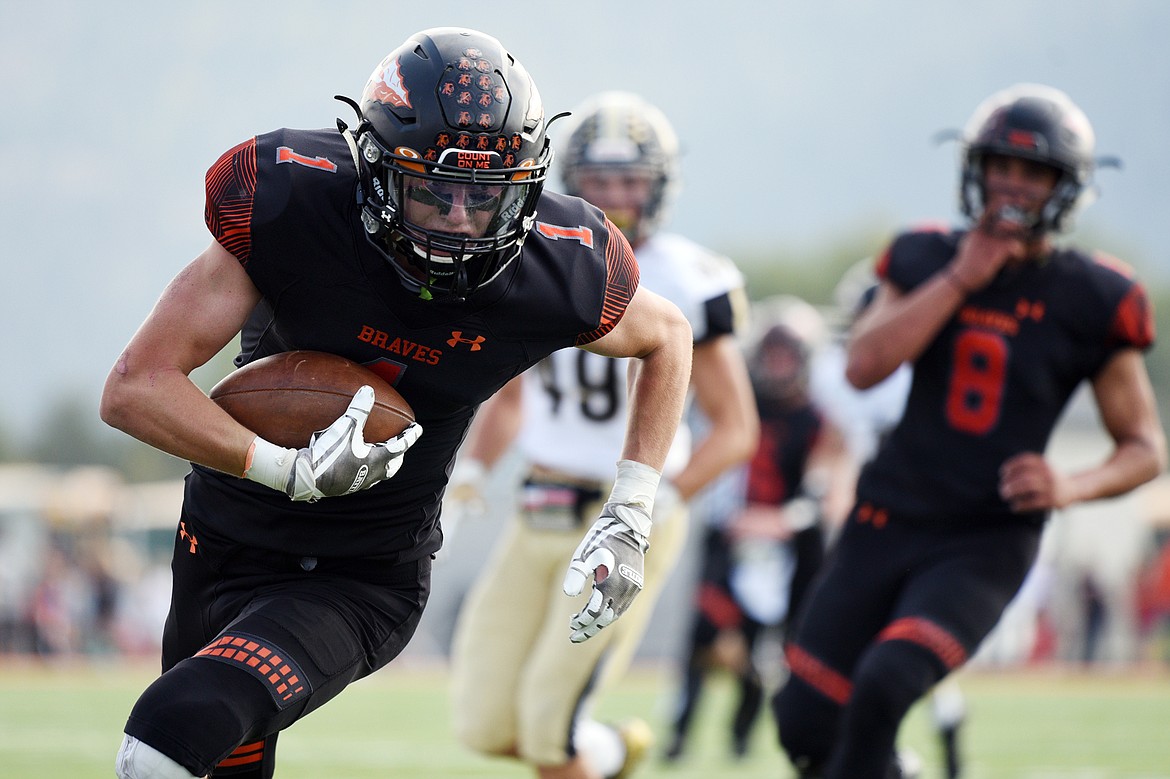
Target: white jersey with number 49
(575, 401)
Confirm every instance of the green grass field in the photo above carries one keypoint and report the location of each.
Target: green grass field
(65, 723)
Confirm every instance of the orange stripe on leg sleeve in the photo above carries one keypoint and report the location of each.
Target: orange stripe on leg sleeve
(832, 684)
(928, 635)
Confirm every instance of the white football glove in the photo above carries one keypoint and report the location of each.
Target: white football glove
(463, 499)
(337, 460)
(465, 487)
(612, 552)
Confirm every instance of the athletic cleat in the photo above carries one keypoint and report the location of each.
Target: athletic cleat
(804, 769)
(949, 712)
(950, 748)
(638, 738)
(674, 752)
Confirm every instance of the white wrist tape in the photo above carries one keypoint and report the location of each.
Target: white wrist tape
(635, 485)
(801, 513)
(269, 464)
(468, 470)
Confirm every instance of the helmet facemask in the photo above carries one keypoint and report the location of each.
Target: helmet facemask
(497, 205)
(1037, 123)
(779, 368)
(1054, 216)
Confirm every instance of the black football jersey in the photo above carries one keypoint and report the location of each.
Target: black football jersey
(995, 380)
(787, 437)
(286, 205)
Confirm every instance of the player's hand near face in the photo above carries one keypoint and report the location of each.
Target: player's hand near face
(1015, 191)
(996, 241)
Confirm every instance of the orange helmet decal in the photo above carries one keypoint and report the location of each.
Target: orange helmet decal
(385, 85)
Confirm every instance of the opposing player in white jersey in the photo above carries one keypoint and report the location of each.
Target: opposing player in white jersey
(520, 689)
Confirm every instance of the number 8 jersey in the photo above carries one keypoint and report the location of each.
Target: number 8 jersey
(998, 376)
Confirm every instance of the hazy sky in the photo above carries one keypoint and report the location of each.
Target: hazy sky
(800, 121)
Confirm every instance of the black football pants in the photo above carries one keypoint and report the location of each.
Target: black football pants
(256, 640)
(895, 609)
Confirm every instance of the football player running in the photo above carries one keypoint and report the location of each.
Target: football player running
(1001, 326)
(419, 243)
(764, 530)
(520, 689)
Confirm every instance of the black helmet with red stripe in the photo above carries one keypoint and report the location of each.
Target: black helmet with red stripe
(450, 119)
(1032, 122)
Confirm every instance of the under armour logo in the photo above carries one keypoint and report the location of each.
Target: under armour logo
(183, 534)
(457, 338)
(1030, 309)
(867, 512)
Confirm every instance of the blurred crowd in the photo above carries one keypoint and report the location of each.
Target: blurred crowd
(84, 555)
(84, 562)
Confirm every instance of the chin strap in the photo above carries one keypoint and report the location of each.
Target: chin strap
(362, 172)
(364, 182)
(460, 290)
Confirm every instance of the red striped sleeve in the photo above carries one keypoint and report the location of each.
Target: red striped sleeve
(1133, 321)
(231, 191)
(621, 270)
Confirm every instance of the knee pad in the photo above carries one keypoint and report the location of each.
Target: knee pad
(137, 760)
(207, 707)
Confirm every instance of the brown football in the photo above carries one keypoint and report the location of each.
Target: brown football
(287, 397)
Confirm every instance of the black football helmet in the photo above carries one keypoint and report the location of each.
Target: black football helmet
(779, 366)
(1033, 122)
(621, 130)
(453, 108)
